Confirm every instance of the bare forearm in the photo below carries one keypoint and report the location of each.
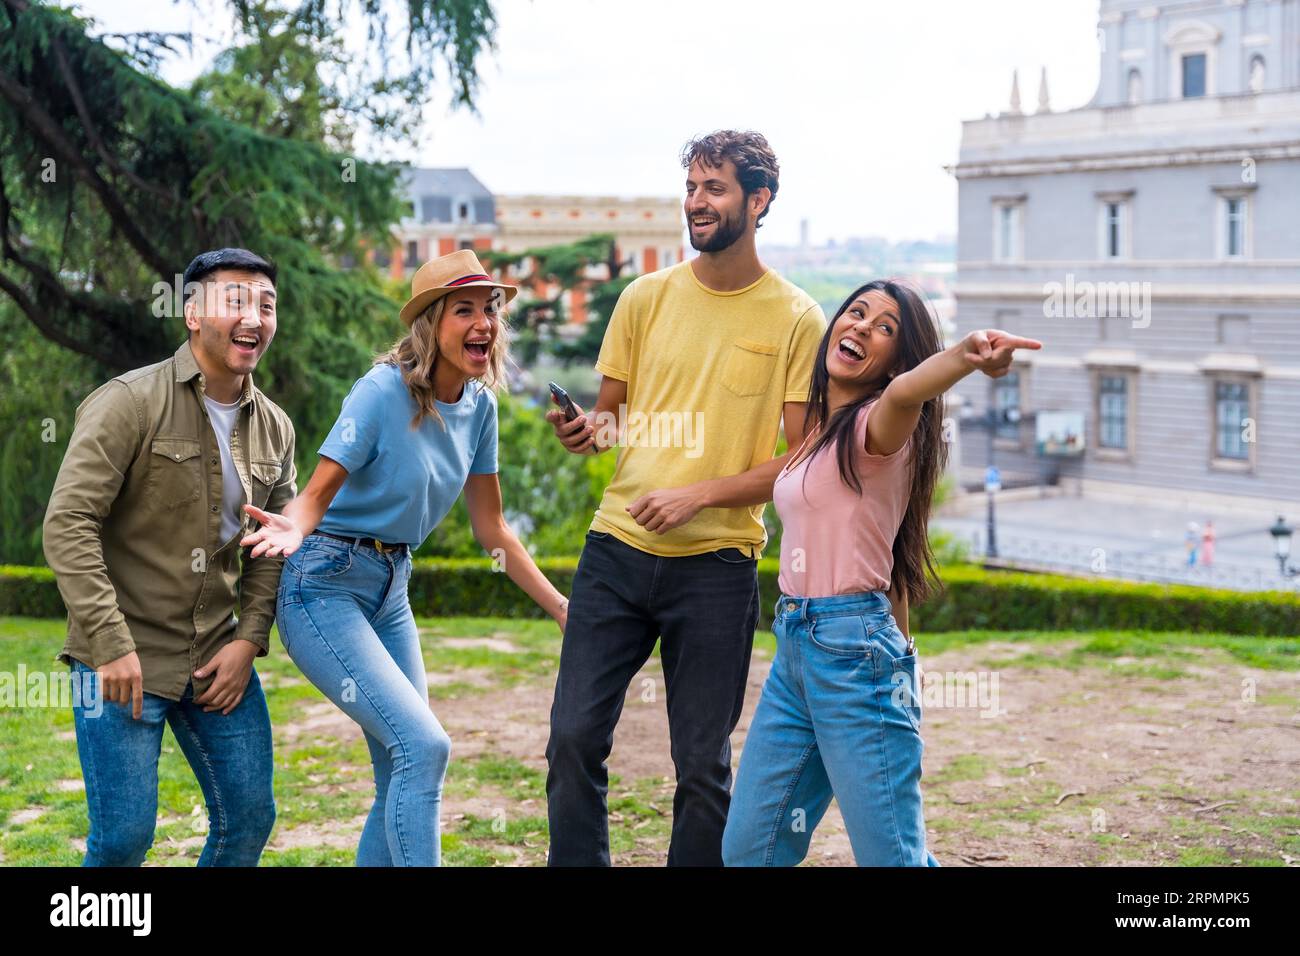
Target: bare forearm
(930, 379)
(306, 511)
(753, 487)
(502, 543)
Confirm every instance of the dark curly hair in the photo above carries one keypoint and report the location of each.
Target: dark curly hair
(756, 165)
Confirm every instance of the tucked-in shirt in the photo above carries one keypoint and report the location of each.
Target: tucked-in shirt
(222, 417)
(708, 374)
(133, 528)
(833, 540)
(401, 480)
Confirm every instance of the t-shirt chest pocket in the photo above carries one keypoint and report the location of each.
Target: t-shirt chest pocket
(748, 367)
(175, 472)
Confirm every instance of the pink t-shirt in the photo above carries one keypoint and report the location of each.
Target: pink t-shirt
(834, 541)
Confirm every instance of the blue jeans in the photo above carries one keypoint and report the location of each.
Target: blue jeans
(345, 619)
(230, 754)
(839, 716)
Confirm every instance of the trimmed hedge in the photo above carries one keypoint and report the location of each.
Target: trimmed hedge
(29, 592)
(973, 599)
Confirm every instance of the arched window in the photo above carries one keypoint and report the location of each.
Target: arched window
(1257, 73)
(1134, 87)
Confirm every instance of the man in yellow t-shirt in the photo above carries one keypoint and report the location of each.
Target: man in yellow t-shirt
(701, 365)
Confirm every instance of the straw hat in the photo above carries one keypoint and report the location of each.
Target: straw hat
(437, 277)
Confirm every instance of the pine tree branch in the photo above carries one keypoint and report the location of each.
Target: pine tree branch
(44, 127)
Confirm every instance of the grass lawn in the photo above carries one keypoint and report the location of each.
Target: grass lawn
(491, 683)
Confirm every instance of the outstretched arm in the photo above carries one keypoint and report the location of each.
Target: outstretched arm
(989, 351)
(282, 534)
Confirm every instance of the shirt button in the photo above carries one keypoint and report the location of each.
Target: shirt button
(178, 456)
(214, 509)
(200, 607)
(212, 461)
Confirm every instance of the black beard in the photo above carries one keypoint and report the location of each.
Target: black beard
(727, 232)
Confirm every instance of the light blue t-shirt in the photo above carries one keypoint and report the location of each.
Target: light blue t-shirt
(402, 481)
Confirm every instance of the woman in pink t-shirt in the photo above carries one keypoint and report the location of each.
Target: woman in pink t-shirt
(839, 715)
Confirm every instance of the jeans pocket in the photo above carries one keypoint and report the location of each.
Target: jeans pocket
(905, 690)
(316, 559)
(884, 633)
(732, 556)
(843, 634)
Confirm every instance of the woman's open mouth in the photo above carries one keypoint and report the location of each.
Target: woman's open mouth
(478, 349)
(851, 351)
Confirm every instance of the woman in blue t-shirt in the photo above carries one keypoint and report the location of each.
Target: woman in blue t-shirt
(415, 431)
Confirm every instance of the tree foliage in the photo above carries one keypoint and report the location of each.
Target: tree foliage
(536, 319)
(111, 180)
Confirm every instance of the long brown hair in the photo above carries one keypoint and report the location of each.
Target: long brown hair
(416, 355)
(918, 338)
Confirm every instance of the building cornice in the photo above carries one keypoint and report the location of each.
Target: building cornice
(1145, 159)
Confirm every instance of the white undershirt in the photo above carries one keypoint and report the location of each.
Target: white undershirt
(232, 490)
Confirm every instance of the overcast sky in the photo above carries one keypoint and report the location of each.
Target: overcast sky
(862, 100)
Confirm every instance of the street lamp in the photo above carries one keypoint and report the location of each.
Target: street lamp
(1281, 533)
(992, 477)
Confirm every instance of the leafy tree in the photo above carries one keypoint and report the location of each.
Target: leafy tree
(111, 180)
(566, 267)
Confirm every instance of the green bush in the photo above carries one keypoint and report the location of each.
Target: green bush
(972, 598)
(29, 592)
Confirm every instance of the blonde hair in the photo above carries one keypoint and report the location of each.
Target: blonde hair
(416, 355)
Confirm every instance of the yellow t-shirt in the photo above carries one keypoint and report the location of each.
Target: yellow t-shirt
(707, 376)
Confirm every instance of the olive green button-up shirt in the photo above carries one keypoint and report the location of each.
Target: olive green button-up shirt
(133, 527)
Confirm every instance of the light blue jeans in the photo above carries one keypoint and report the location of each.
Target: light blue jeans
(345, 620)
(839, 716)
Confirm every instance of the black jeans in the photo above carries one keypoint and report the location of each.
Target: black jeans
(705, 607)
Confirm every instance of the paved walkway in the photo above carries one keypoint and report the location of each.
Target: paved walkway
(1133, 541)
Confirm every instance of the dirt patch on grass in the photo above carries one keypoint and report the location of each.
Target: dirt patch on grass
(1113, 762)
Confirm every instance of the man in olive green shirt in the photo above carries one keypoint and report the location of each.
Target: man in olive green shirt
(142, 532)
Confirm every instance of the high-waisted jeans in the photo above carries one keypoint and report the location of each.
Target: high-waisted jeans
(839, 716)
(345, 620)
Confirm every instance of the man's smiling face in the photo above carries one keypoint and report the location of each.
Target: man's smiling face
(717, 213)
(234, 316)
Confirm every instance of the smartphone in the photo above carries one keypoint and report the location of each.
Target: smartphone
(562, 399)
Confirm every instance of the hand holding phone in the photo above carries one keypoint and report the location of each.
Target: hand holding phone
(566, 404)
(570, 423)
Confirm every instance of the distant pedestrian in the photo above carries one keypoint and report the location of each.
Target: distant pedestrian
(1192, 540)
(1207, 544)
